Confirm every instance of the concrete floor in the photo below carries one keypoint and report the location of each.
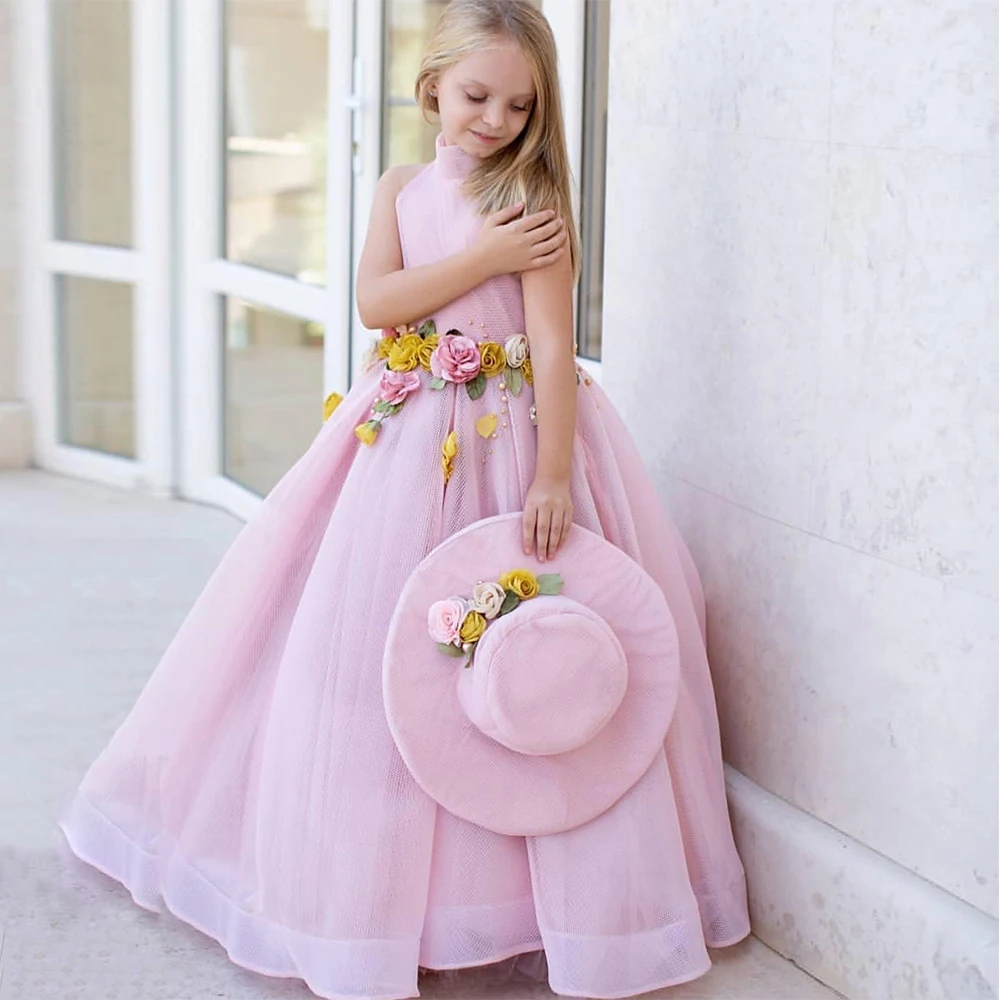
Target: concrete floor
(93, 584)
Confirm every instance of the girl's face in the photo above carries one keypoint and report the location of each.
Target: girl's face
(485, 99)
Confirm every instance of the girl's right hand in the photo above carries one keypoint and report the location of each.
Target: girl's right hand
(508, 245)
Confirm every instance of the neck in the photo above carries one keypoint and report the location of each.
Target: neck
(451, 160)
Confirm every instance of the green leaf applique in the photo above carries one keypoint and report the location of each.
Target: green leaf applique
(510, 601)
(477, 386)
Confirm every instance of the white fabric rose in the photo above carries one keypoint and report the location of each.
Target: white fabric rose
(486, 599)
(516, 349)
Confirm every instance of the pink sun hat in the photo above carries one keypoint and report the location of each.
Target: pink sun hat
(528, 697)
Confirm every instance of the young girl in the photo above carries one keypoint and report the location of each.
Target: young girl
(255, 790)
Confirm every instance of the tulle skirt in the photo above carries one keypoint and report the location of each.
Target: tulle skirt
(256, 793)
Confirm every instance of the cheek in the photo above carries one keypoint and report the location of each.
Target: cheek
(452, 108)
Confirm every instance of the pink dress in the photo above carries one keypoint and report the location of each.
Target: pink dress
(255, 791)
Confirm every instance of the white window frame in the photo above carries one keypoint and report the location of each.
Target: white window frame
(206, 277)
(176, 266)
(145, 266)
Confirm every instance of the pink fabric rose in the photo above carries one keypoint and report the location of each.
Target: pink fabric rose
(444, 618)
(455, 359)
(395, 386)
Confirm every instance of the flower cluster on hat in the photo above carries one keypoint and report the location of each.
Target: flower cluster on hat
(457, 623)
(405, 349)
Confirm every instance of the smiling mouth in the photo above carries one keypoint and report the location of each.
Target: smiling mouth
(485, 138)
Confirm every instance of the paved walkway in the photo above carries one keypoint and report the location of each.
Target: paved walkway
(93, 584)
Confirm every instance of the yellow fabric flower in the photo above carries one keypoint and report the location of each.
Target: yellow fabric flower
(331, 403)
(523, 582)
(383, 346)
(529, 376)
(404, 355)
(472, 627)
(426, 350)
(449, 449)
(367, 432)
(493, 360)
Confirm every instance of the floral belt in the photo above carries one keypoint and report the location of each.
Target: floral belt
(452, 357)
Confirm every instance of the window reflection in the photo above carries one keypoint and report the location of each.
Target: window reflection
(92, 120)
(276, 85)
(406, 137)
(273, 392)
(595, 130)
(96, 381)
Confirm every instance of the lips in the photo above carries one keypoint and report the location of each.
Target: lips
(484, 138)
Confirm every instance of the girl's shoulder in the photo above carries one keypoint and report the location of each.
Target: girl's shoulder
(396, 178)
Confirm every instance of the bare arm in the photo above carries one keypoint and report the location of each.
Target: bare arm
(389, 295)
(548, 319)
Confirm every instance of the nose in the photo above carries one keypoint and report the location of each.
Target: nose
(493, 116)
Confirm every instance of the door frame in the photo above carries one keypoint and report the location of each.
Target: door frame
(207, 277)
(176, 266)
(145, 266)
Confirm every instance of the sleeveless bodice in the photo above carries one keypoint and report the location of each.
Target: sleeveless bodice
(436, 220)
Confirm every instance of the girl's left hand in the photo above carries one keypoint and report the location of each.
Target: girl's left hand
(548, 514)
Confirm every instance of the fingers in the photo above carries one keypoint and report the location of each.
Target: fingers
(528, 529)
(530, 222)
(542, 533)
(504, 215)
(545, 529)
(554, 228)
(549, 258)
(547, 246)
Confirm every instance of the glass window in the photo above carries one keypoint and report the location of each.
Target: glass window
(276, 109)
(406, 137)
(595, 131)
(273, 392)
(96, 381)
(92, 120)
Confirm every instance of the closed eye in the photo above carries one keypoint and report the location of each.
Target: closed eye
(479, 100)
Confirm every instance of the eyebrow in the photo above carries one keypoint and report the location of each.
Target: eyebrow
(523, 97)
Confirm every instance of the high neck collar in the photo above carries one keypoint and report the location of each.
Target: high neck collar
(452, 161)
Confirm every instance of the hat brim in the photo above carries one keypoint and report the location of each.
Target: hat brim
(472, 775)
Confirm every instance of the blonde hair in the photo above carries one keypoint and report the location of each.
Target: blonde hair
(534, 168)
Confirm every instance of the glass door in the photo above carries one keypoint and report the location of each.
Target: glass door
(201, 176)
(265, 238)
(94, 111)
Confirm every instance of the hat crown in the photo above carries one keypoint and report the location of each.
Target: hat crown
(546, 677)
